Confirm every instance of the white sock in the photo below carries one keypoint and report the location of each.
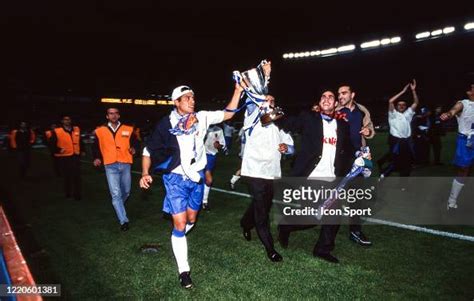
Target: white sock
(455, 190)
(188, 227)
(180, 251)
(206, 194)
(234, 179)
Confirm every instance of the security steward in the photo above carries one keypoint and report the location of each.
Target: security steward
(66, 144)
(114, 147)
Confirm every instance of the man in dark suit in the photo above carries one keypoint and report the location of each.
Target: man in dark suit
(326, 152)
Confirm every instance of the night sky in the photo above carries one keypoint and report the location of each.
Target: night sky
(114, 48)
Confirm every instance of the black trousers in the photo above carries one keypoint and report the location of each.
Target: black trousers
(422, 149)
(56, 165)
(435, 142)
(24, 159)
(329, 228)
(257, 214)
(71, 172)
(326, 240)
(355, 222)
(402, 154)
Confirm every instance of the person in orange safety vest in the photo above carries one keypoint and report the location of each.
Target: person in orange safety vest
(66, 145)
(114, 147)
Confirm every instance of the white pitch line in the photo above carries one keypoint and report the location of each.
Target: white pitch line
(370, 220)
(420, 229)
(231, 192)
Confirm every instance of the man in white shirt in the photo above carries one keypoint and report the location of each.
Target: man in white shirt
(177, 148)
(261, 165)
(326, 153)
(214, 143)
(464, 159)
(400, 143)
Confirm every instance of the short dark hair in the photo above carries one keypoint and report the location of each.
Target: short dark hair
(346, 85)
(325, 89)
(111, 107)
(401, 100)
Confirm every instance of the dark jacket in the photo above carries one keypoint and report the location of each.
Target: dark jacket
(310, 126)
(163, 147)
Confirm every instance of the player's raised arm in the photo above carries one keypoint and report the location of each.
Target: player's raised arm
(391, 101)
(416, 100)
(233, 103)
(452, 112)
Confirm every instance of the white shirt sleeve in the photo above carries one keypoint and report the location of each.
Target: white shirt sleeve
(391, 114)
(286, 138)
(409, 113)
(213, 117)
(145, 152)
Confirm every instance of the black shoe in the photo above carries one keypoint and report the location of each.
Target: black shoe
(247, 234)
(327, 257)
(274, 256)
(124, 227)
(185, 280)
(283, 237)
(360, 238)
(206, 207)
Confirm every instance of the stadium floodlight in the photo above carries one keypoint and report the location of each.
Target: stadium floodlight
(285, 56)
(423, 35)
(436, 32)
(469, 26)
(370, 44)
(384, 41)
(346, 48)
(313, 53)
(329, 51)
(307, 53)
(395, 40)
(448, 29)
(291, 55)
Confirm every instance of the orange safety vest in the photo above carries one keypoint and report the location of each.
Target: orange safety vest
(115, 148)
(69, 142)
(12, 138)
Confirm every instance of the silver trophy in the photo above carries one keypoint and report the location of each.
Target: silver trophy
(255, 82)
